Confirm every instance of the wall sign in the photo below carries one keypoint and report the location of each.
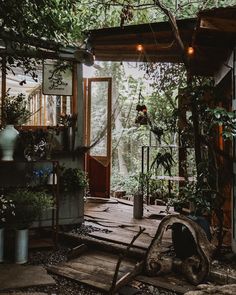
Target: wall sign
(57, 81)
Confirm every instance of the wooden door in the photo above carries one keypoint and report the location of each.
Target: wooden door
(98, 135)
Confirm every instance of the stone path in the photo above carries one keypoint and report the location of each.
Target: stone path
(14, 276)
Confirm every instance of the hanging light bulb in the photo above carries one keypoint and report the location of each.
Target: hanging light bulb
(139, 47)
(190, 50)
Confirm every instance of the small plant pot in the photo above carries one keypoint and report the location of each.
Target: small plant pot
(21, 246)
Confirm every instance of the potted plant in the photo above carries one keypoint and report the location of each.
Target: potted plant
(14, 112)
(6, 210)
(29, 206)
(72, 179)
(73, 184)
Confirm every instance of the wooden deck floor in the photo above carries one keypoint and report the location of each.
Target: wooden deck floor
(115, 218)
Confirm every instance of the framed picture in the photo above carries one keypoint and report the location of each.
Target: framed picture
(57, 80)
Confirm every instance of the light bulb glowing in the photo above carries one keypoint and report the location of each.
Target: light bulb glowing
(139, 47)
(190, 50)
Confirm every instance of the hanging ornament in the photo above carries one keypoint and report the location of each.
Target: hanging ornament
(126, 14)
(141, 117)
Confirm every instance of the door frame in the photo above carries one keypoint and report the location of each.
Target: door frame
(106, 159)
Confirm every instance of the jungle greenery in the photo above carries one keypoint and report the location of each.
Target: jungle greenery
(66, 21)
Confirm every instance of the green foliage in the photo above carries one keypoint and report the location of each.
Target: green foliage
(6, 210)
(201, 200)
(204, 193)
(51, 20)
(29, 205)
(220, 117)
(65, 21)
(72, 179)
(128, 184)
(15, 109)
(165, 160)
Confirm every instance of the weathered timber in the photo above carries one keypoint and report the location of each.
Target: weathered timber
(121, 257)
(169, 282)
(101, 200)
(96, 269)
(86, 278)
(118, 237)
(100, 244)
(77, 251)
(195, 268)
(128, 276)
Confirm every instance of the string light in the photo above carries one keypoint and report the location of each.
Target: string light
(139, 47)
(190, 50)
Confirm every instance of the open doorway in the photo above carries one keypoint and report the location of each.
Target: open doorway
(98, 135)
(131, 86)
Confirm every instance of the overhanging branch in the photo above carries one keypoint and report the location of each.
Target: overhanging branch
(174, 27)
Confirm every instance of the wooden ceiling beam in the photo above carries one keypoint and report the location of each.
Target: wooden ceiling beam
(133, 48)
(136, 53)
(183, 24)
(133, 41)
(121, 57)
(213, 42)
(146, 38)
(211, 51)
(218, 24)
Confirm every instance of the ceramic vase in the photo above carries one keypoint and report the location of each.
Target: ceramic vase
(8, 138)
(67, 139)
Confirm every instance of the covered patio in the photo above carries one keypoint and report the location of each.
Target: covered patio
(114, 252)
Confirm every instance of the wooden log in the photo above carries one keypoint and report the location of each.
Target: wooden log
(196, 268)
(163, 265)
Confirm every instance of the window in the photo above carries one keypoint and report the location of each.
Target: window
(46, 109)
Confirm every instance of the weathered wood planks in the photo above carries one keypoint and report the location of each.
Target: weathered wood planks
(96, 269)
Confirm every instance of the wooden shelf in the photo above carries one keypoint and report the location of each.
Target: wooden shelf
(15, 173)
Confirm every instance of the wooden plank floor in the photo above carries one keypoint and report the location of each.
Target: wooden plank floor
(94, 268)
(116, 225)
(115, 218)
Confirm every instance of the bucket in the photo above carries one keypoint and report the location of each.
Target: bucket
(21, 246)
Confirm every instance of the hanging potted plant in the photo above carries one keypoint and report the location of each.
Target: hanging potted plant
(29, 206)
(14, 113)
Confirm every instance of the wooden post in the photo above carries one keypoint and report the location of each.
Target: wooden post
(138, 206)
(197, 137)
(3, 94)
